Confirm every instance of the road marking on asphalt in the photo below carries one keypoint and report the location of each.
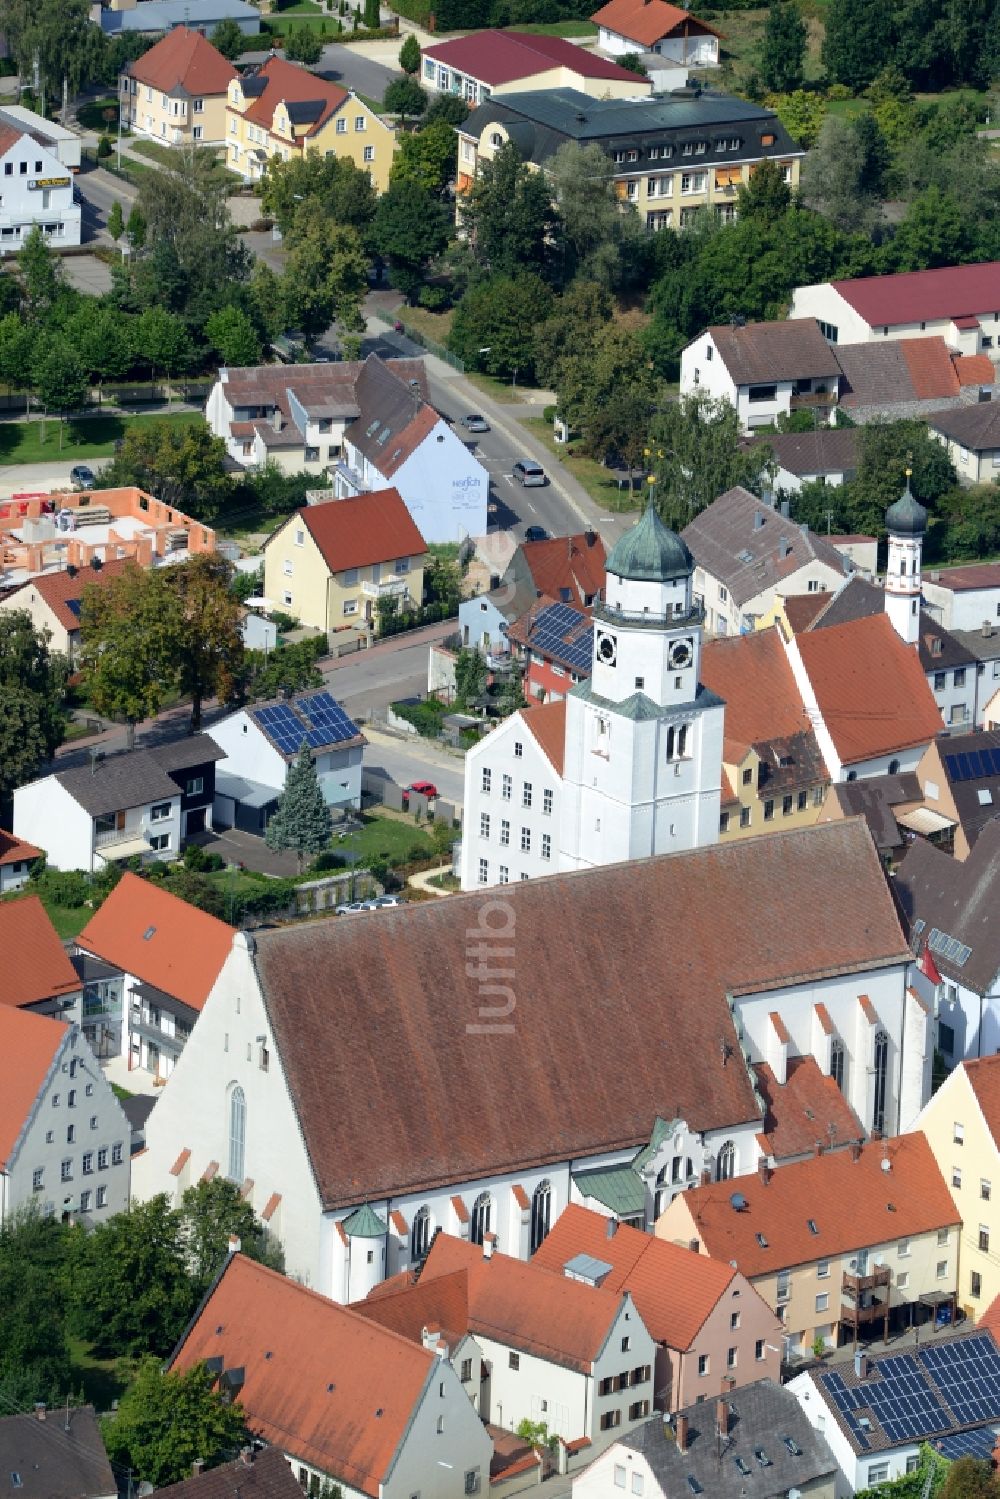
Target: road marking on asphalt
(509, 478)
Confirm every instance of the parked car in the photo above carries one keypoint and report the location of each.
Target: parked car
(422, 788)
(536, 533)
(475, 423)
(349, 906)
(528, 474)
(380, 902)
(82, 476)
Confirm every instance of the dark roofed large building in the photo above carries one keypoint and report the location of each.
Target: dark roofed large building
(56, 1455)
(265, 1474)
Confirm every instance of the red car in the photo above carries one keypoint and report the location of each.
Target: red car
(422, 788)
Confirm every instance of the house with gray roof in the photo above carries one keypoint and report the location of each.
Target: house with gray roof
(151, 17)
(826, 453)
(56, 1455)
(972, 436)
(764, 370)
(750, 1443)
(141, 803)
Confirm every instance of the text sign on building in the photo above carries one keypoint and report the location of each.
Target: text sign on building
(37, 182)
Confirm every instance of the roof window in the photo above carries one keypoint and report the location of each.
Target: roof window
(762, 1241)
(811, 1225)
(149, 932)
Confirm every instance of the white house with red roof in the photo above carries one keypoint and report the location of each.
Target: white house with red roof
(16, 859)
(498, 62)
(656, 26)
(37, 189)
(961, 303)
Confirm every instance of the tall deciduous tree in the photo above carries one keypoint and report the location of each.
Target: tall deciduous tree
(304, 45)
(783, 49)
(857, 41)
(411, 228)
(182, 465)
(695, 455)
(59, 36)
(130, 1287)
(232, 334)
(326, 275)
(41, 275)
(509, 216)
(493, 327)
(61, 381)
(32, 699)
(332, 185)
(836, 174)
(166, 1422)
(766, 197)
(598, 230)
(404, 97)
(34, 1358)
(128, 643)
(227, 38)
(302, 821)
(213, 1212)
(427, 156)
(116, 221)
(209, 647)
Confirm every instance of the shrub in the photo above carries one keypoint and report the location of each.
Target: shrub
(839, 91)
(64, 887)
(434, 298)
(104, 147)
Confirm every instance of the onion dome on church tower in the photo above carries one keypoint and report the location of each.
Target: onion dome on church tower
(906, 516)
(650, 553)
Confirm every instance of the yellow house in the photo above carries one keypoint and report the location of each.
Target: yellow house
(285, 111)
(848, 1238)
(962, 1126)
(330, 564)
(774, 773)
(177, 91)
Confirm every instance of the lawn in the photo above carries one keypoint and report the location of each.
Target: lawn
(298, 8)
(568, 29)
(390, 838)
(103, 1379)
(168, 158)
(433, 325)
(91, 114)
(40, 441)
(596, 479)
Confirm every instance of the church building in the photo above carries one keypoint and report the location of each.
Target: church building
(629, 764)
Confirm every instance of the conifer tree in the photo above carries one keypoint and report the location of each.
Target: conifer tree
(302, 821)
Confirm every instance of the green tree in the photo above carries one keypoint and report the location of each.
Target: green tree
(509, 218)
(970, 521)
(129, 1283)
(936, 231)
(493, 326)
(128, 645)
(210, 1214)
(783, 49)
(332, 185)
(32, 699)
(288, 668)
(116, 221)
(571, 329)
(800, 112)
(41, 275)
(34, 1357)
(404, 97)
(969, 1478)
(182, 465)
(857, 41)
(632, 63)
(598, 231)
(61, 381)
(164, 341)
(427, 156)
(885, 451)
(102, 337)
(135, 227)
(227, 38)
(231, 333)
(836, 176)
(470, 677)
(302, 819)
(451, 108)
(409, 54)
(608, 391)
(695, 455)
(165, 1422)
(303, 44)
(443, 582)
(326, 274)
(209, 645)
(411, 229)
(766, 196)
(59, 37)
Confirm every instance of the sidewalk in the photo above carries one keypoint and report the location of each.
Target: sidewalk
(422, 881)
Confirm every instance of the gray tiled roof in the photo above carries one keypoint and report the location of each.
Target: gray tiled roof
(762, 352)
(976, 426)
(121, 781)
(828, 450)
(182, 754)
(760, 1415)
(958, 898)
(54, 1463)
(873, 798)
(740, 539)
(268, 1476)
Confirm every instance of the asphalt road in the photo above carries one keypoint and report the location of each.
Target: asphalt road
(346, 66)
(395, 669)
(423, 762)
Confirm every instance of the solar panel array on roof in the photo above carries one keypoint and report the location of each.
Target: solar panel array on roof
(949, 947)
(317, 720)
(936, 1390)
(973, 765)
(967, 1444)
(564, 632)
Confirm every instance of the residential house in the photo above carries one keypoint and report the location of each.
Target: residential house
(57, 1455)
(16, 859)
(141, 803)
(840, 672)
(54, 601)
(258, 744)
(258, 1473)
(367, 425)
(821, 1267)
(711, 1329)
(49, 533)
(672, 157)
(960, 780)
(984, 645)
(890, 806)
(38, 976)
(962, 1125)
(828, 455)
(37, 189)
(256, 1089)
(748, 553)
(148, 960)
(950, 907)
(177, 91)
(958, 303)
(280, 109)
(555, 643)
(877, 1415)
(63, 1136)
(770, 756)
(485, 63)
(65, 144)
(150, 17)
(964, 598)
(971, 435)
(332, 564)
(860, 550)
(626, 26)
(754, 1441)
(764, 370)
(535, 1345)
(907, 378)
(344, 1399)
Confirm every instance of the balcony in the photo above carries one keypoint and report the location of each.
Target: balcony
(854, 1286)
(606, 612)
(119, 843)
(394, 587)
(810, 399)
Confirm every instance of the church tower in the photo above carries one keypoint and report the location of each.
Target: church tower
(643, 751)
(906, 523)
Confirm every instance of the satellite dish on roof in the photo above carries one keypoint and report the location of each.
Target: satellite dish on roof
(738, 1203)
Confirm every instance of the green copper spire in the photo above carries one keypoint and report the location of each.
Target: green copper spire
(650, 553)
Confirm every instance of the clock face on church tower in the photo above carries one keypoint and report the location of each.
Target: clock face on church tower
(681, 654)
(606, 648)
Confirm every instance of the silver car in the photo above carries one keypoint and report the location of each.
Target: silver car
(529, 475)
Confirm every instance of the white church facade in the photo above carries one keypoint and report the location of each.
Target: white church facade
(630, 764)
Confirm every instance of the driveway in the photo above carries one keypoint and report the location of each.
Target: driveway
(352, 67)
(87, 274)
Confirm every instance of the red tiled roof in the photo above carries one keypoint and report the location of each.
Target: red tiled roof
(802, 1111)
(802, 608)
(974, 369)
(185, 60)
(752, 675)
(59, 590)
(969, 579)
(498, 57)
(316, 1374)
(923, 296)
(547, 723)
(289, 84)
(674, 1289)
(930, 365)
(870, 687)
(572, 562)
(28, 1045)
(159, 938)
(35, 965)
(647, 21)
(984, 1079)
(848, 1200)
(440, 1303)
(362, 529)
(15, 850)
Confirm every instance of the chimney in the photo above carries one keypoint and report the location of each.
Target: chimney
(987, 629)
(246, 1456)
(197, 1467)
(591, 536)
(681, 1430)
(694, 1245)
(855, 1150)
(612, 1228)
(235, 1244)
(763, 1171)
(429, 1337)
(276, 419)
(860, 1365)
(706, 1176)
(784, 547)
(40, 1410)
(818, 1147)
(784, 509)
(722, 1416)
